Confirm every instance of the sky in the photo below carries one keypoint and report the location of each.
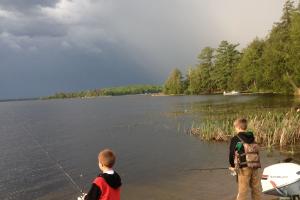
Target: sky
(49, 46)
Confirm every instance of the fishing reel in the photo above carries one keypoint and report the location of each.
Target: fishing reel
(81, 197)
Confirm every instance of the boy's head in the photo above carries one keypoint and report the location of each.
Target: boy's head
(240, 124)
(106, 159)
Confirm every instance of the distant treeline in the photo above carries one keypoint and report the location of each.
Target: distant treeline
(113, 91)
(271, 64)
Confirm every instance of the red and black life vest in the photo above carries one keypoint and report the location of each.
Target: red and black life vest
(107, 192)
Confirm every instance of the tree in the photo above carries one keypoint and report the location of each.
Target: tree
(206, 65)
(186, 82)
(174, 83)
(294, 75)
(226, 60)
(277, 53)
(250, 71)
(206, 57)
(195, 81)
(286, 17)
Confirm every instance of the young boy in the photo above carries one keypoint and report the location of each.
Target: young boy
(247, 176)
(107, 185)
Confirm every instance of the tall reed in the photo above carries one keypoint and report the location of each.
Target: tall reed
(271, 128)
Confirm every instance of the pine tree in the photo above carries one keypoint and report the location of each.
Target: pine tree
(174, 83)
(227, 58)
(293, 76)
(195, 81)
(206, 65)
(250, 71)
(286, 17)
(277, 52)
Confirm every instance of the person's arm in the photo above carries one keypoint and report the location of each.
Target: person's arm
(232, 151)
(94, 193)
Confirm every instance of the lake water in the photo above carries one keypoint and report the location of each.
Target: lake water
(147, 133)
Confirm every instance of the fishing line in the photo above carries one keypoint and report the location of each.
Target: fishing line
(59, 166)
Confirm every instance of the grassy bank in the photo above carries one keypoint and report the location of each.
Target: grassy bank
(271, 128)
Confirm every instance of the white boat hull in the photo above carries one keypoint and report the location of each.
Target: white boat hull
(232, 93)
(284, 191)
(281, 179)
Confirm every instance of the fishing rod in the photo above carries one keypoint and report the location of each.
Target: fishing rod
(286, 160)
(208, 169)
(58, 165)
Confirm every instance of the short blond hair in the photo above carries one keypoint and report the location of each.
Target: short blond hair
(241, 123)
(107, 158)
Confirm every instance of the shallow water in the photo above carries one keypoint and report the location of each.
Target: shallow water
(147, 133)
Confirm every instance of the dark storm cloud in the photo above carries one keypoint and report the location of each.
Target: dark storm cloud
(48, 45)
(62, 71)
(33, 28)
(26, 4)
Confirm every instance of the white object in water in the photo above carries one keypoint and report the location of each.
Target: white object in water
(282, 179)
(233, 92)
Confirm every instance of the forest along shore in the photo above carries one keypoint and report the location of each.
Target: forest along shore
(269, 64)
(111, 91)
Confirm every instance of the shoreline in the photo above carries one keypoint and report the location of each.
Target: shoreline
(146, 94)
(161, 95)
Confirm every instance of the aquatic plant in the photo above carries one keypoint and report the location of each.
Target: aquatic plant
(271, 128)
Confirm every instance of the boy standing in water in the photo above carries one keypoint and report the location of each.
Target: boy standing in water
(107, 185)
(244, 159)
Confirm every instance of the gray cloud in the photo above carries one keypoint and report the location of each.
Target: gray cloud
(75, 44)
(26, 4)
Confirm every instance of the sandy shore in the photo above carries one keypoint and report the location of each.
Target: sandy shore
(194, 185)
